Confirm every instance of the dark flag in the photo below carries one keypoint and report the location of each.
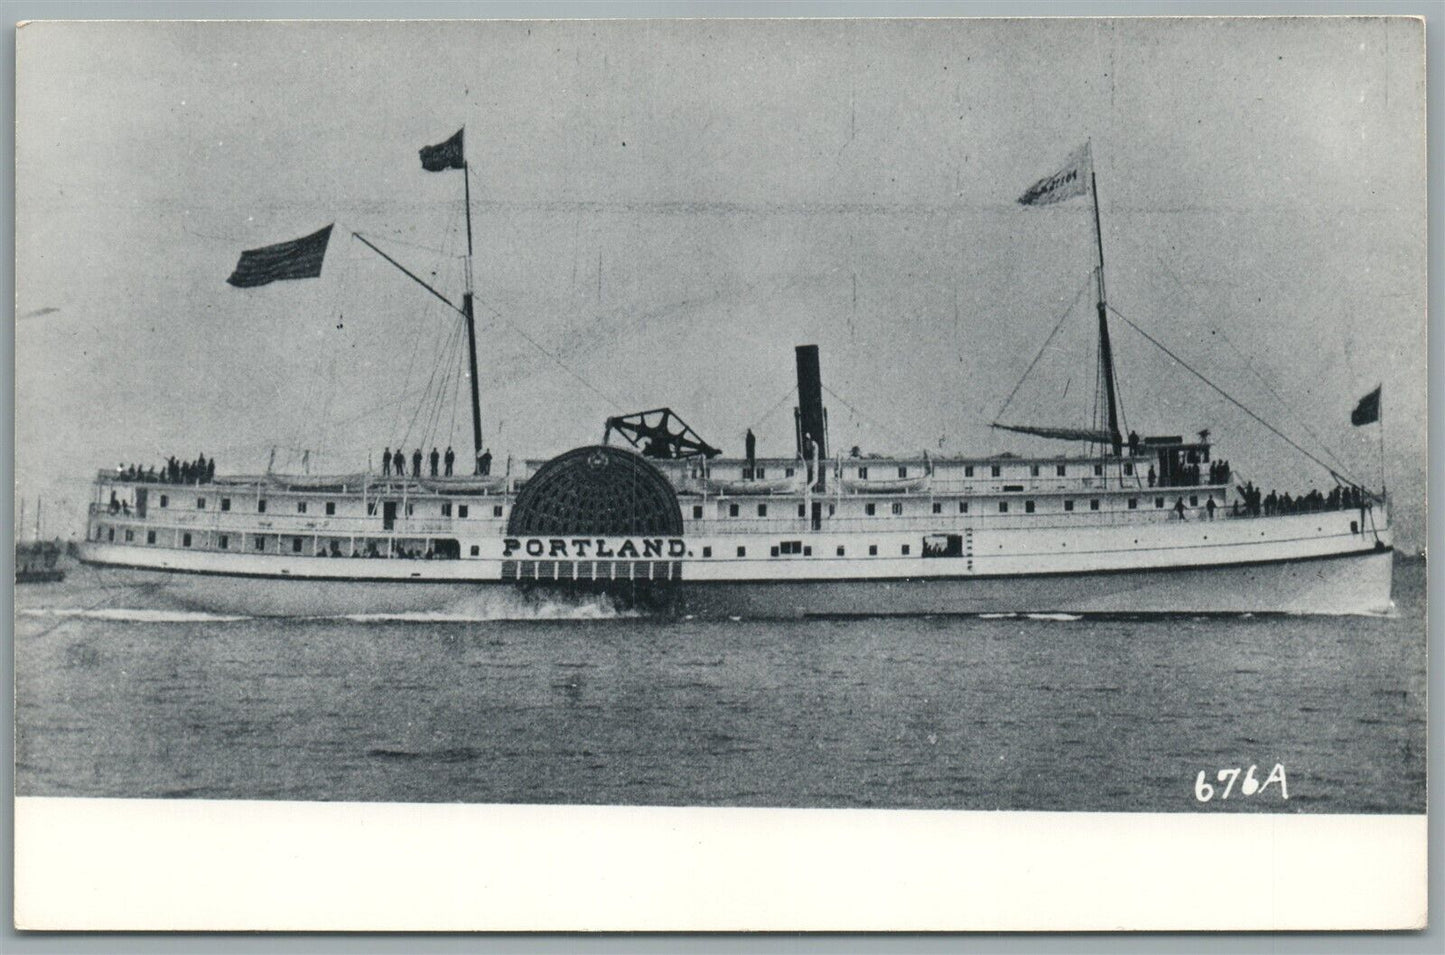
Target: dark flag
(447, 155)
(1072, 180)
(1368, 410)
(297, 259)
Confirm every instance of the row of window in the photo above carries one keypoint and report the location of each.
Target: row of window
(789, 548)
(896, 507)
(462, 510)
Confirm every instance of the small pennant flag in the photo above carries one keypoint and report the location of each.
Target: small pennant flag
(447, 155)
(1071, 181)
(1368, 410)
(297, 259)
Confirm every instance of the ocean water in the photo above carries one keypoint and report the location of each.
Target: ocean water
(583, 706)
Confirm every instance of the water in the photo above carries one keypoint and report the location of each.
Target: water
(1044, 713)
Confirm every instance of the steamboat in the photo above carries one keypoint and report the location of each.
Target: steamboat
(655, 517)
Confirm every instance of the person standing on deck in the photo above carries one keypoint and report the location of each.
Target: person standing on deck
(416, 463)
(1209, 506)
(450, 459)
(484, 463)
(386, 462)
(750, 445)
(398, 461)
(435, 460)
(1179, 507)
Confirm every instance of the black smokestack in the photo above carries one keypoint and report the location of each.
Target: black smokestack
(811, 423)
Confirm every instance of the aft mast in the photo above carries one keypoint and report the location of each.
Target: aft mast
(1106, 351)
(470, 315)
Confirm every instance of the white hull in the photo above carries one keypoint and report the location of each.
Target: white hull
(1343, 584)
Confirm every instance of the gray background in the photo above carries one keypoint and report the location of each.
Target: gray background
(1048, 154)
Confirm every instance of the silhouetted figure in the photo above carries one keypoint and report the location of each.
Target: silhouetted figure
(210, 470)
(1134, 443)
(1152, 476)
(416, 463)
(386, 462)
(484, 463)
(450, 458)
(435, 460)
(1179, 507)
(750, 444)
(398, 463)
(1209, 506)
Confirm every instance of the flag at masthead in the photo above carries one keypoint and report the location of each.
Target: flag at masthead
(444, 155)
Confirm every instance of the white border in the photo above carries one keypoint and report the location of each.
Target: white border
(114, 864)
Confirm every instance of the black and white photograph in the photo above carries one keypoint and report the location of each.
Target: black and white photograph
(859, 422)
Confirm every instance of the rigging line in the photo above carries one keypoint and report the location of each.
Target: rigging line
(420, 405)
(1230, 398)
(877, 424)
(1299, 419)
(758, 422)
(560, 363)
(1059, 325)
(443, 390)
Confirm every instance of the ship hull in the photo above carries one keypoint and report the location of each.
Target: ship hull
(1354, 583)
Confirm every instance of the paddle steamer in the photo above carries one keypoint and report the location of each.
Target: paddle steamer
(655, 517)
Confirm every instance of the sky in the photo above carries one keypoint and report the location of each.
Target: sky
(663, 209)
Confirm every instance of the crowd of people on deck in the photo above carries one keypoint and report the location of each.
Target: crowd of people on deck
(174, 471)
(1254, 503)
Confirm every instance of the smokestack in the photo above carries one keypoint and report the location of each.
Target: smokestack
(811, 419)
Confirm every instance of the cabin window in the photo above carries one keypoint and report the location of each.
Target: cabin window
(446, 509)
(905, 550)
(1098, 470)
(1133, 503)
(963, 507)
(1128, 469)
(742, 552)
(150, 537)
(130, 535)
(1028, 507)
(223, 542)
(1003, 507)
(937, 507)
(870, 509)
(410, 509)
(497, 510)
(165, 500)
(200, 504)
(807, 552)
(476, 551)
(300, 507)
(1061, 470)
(261, 506)
(732, 510)
(762, 510)
(1033, 470)
(760, 473)
(295, 545)
(832, 509)
(872, 550)
(802, 510)
(331, 508)
(791, 547)
(788, 472)
(863, 474)
(697, 512)
(841, 551)
(897, 507)
(260, 542)
(1194, 500)
(1158, 502)
(968, 470)
(185, 540)
(225, 503)
(462, 510)
(1094, 504)
(903, 472)
(370, 508)
(707, 552)
(995, 470)
(775, 551)
(110, 533)
(1068, 505)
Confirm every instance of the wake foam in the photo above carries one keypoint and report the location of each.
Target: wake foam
(133, 615)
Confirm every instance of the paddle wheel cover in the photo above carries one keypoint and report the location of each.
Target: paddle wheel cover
(597, 491)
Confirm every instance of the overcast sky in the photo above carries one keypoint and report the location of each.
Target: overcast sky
(663, 209)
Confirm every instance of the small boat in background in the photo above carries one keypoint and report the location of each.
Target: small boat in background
(37, 561)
